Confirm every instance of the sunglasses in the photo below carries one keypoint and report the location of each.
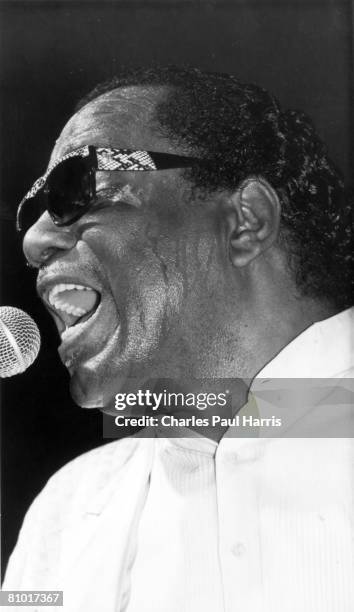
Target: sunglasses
(68, 189)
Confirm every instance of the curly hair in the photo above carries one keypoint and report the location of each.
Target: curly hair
(241, 130)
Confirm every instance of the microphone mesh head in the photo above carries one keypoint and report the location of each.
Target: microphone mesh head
(19, 341)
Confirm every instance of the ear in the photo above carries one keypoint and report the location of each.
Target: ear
(252, 220)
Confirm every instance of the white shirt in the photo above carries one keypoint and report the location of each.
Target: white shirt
(230, 527)
(251, 524)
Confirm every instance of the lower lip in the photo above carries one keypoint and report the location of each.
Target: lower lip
(74, 339)
(71, 333)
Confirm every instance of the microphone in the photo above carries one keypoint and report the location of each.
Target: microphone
(19, 341)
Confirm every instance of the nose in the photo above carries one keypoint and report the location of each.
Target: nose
(44, 240)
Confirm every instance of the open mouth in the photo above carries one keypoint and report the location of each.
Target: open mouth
(73, 304)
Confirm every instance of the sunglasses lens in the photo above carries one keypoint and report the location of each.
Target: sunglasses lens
(67, 194)
(70, 190)
(29, 211)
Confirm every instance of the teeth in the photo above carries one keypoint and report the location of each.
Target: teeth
(74, 310)
(66, 287)
(54, 298)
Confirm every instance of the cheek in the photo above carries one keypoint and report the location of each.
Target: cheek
(116, 236)
(197, 263)
(153, 262)
(139, 263)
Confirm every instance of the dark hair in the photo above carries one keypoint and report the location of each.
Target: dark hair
(243, 131)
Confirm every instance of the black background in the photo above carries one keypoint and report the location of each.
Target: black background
(52, 53)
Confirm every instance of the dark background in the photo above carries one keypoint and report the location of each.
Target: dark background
(52, 53)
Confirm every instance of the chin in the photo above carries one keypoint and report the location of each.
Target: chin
(89, 389)
(84, 397)
(95, 389)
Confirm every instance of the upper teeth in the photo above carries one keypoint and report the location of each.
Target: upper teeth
(57, 302)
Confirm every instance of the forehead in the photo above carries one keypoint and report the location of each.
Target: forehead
(122, 118)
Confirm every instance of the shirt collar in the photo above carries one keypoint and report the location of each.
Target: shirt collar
(323, 350)
(306, 372)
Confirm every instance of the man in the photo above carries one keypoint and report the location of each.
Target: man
(221, 252)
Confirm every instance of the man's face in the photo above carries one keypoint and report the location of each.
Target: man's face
(143, 264)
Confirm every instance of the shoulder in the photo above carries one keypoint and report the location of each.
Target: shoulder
(82, 486)
(78, 485)
(95, 465)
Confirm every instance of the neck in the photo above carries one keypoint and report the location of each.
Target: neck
(257, 339)
(263, 336)
(249, 335)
